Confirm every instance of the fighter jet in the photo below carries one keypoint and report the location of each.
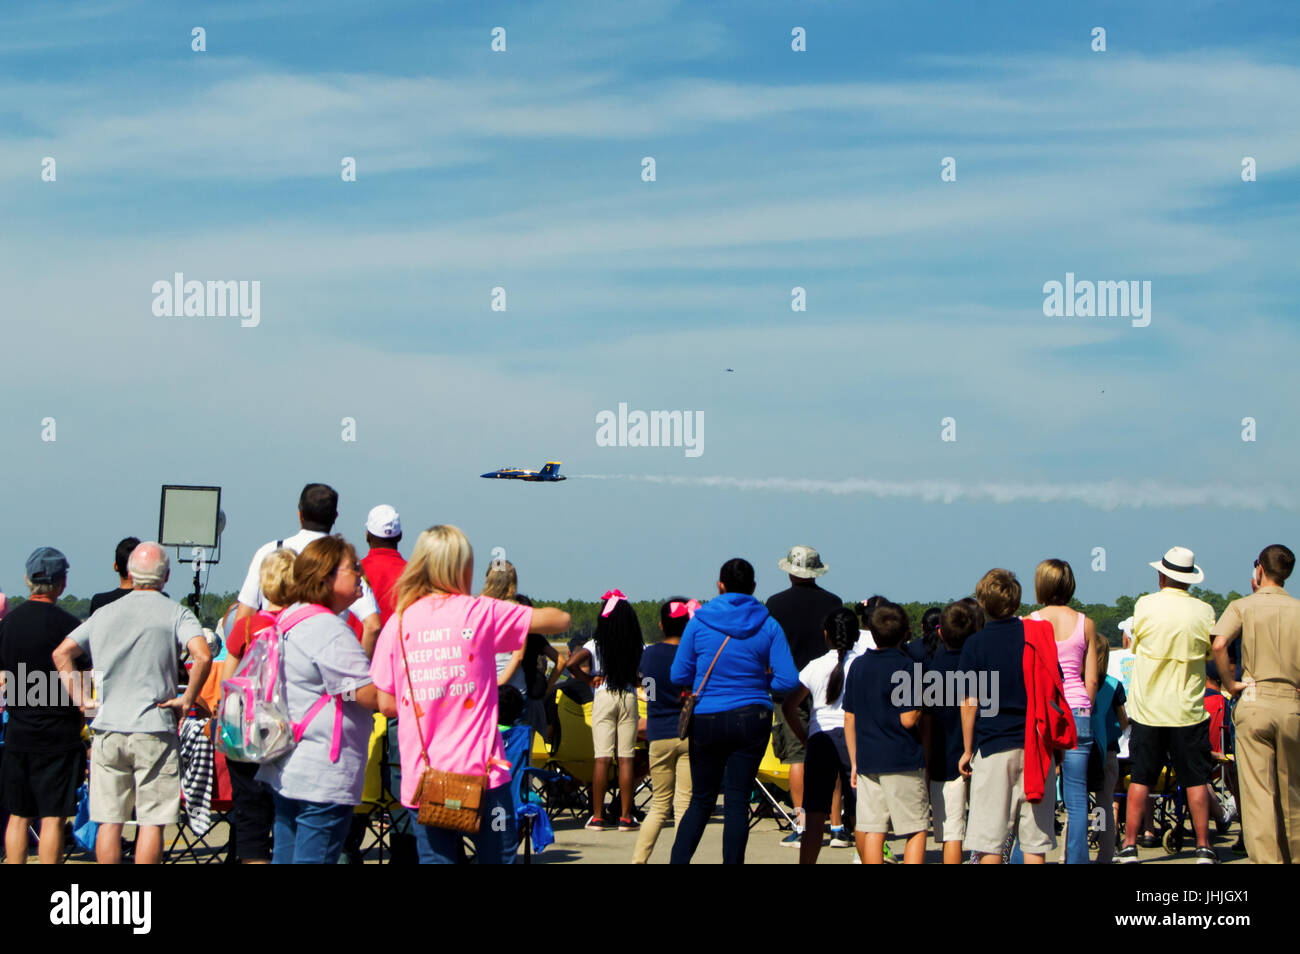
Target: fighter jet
(548, 473)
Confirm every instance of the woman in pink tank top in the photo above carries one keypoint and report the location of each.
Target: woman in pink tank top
(1075, 638)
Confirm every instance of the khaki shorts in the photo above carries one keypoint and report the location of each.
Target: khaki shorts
(614, 717)
(948, 809)
(896, 796)
(998, 806)
(137, 770)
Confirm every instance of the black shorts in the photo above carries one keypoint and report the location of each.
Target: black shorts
(253, 812)
(1187, 747)
(42, 784)
(826, 759)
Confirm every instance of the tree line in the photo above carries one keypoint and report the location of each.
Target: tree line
(585, 613)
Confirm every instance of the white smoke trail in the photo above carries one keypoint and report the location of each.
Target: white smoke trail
(1106, 495)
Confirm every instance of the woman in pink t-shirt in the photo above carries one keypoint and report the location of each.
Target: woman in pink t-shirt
(435, 669)
(1075, 639)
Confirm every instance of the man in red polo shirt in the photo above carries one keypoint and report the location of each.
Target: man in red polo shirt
(383, 564)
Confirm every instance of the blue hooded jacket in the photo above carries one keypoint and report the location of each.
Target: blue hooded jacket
(740, 677)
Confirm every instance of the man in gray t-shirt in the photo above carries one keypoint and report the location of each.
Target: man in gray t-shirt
(134, 647)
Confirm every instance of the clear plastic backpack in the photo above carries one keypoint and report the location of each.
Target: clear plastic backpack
(253, 723)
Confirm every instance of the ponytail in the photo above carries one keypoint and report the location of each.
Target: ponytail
(842, 633)
(930, 630)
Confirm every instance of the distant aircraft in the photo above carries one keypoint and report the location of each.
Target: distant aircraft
(732, 370)
(548, 473)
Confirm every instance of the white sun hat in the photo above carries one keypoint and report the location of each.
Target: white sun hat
(1179, 564)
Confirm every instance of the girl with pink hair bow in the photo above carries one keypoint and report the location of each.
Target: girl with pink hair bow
(615, 655)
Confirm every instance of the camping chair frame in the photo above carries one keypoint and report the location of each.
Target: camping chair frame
(1169, 808)
(187, 845)
(763, 803)
(191, 844)
(379, 830)
(565, 794)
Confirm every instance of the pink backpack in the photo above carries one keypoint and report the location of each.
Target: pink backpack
(253, 723)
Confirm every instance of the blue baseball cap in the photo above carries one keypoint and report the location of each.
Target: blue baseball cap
(46, 565)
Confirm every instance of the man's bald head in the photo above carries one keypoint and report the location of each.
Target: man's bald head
(148, 566)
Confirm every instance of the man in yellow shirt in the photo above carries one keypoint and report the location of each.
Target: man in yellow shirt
(1267, 717)
(1166, 703)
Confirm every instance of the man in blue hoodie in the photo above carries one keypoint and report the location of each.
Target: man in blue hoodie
(734, 656)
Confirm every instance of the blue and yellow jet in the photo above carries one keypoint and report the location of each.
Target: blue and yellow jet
(550, 472)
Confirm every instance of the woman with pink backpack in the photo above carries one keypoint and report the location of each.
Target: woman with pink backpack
(330, 699)
(254, 809)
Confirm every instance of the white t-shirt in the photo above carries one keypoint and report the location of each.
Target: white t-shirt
(865, 641)
(1121, 667)
(517, 680)
(598, 668)
(816, 676)
(250, 594)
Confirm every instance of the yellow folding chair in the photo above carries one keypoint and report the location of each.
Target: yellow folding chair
(375, 799)
(773, 779)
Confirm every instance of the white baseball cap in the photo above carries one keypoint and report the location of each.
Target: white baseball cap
(384, 523)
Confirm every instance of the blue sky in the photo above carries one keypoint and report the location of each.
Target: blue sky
(775, 169)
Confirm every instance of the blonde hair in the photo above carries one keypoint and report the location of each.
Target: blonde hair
(46, 589)
(502, 581)
(1054, 583)
(441, 562)
(276, 576)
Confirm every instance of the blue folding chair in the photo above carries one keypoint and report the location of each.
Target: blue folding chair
(531, 819)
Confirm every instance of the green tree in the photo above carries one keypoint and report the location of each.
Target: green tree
(585, 613)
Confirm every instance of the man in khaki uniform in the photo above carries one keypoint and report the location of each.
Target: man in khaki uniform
(1267, 717)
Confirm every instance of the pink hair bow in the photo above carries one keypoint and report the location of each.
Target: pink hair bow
(686, 609)
(611, 597)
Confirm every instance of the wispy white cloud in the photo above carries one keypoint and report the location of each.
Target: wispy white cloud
(262, 123)
(1105, 495)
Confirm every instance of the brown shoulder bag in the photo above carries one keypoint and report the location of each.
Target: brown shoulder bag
(687, 716)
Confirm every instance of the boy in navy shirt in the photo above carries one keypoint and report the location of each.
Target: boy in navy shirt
(947, 784)
(881, 728)
(994, 756)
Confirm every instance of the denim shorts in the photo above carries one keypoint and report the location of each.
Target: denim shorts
(309, 833)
